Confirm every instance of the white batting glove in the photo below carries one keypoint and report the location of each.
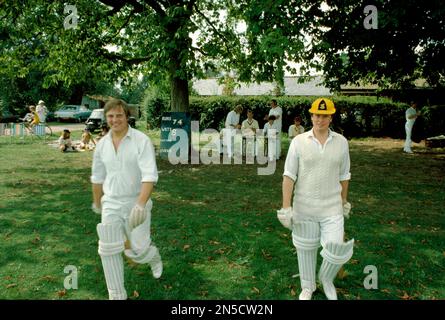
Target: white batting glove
(285, 217)
(96, 209)
(346, 209)
(137, 216)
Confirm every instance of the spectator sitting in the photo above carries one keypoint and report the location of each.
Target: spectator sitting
(104, 130)
(270, 125)
(87, 140)
(296, 128)
(250, 125)
(65, 143)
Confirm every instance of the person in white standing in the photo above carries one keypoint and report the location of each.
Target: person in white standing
(411, 115)
(231, 125)
(270, 131)
(276, 111)
(42, 111)
(123, 176)
(317, 172)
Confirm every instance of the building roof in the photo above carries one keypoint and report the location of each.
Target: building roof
(312, 87)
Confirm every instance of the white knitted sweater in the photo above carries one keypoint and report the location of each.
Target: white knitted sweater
(317, 189)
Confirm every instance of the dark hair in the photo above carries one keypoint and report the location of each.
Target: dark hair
(274, 101)
(116, 103)
(297, 118)
(272, 117)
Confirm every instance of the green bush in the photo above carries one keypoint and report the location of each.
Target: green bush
(356, 116)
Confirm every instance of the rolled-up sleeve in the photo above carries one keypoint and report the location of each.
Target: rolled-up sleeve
(345, 167)
(147, 163)
(291, 164)
(98, 171)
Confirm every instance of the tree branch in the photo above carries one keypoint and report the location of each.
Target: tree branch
(200, 51)
(210, 23)
(112, 56)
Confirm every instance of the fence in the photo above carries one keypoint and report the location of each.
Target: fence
(18, 132)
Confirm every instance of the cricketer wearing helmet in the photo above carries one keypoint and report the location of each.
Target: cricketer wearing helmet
(317, 173)
(124, 173)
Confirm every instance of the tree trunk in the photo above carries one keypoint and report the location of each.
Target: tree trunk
(179, 89)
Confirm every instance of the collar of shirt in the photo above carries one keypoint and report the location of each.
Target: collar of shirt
(331, 134)
(129, 134)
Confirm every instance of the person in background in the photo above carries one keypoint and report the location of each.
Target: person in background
(277, 112)
(411, 115)
(86, 140)
(296, 128)
(42, 111)
(231, 124)
(103, 131)
(271, 132)
(65, 142)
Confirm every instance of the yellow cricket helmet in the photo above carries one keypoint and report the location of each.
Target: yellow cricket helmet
(322, 106)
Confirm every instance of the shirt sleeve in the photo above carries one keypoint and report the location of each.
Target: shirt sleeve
(291, 164)
(289, 132)
(229, 120)
(345, 167)
(147, 163)
(98, 171)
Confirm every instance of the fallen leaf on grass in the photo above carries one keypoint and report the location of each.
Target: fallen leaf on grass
(293, 293)
(36, 239)
(11, 285)
(406, 296)
(49, 278)
(187, 246)
(61, 293)
(255, 289)
(266, 255)
(135, 294)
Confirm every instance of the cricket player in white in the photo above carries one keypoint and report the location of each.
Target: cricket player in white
(276, 111)
(317, 173)
(231, 125)
(123, 176)
(411, 115)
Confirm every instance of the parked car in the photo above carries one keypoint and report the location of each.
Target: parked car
(6, 116)
(72, 112)
(97, 118)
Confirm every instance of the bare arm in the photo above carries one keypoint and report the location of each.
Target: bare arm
(97, 194)
(344, 190)
(146, 191)
(288, 187)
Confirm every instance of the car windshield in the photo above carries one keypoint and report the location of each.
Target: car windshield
(96, 114)
(70, 108)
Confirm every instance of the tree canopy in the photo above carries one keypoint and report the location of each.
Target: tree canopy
(182, 39)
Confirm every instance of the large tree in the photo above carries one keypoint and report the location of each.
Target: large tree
(117, 39)
(387, 42)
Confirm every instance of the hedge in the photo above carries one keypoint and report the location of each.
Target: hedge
(356, 116)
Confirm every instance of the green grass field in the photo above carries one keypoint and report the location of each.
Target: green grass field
(216, 227)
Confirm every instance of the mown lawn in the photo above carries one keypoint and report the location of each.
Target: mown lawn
(216, 228)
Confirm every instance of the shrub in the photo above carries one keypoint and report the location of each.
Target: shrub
(356, 116)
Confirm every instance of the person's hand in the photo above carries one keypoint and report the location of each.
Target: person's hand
(346, 209)
(284, 215)
(96, 209)
(137, 216)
